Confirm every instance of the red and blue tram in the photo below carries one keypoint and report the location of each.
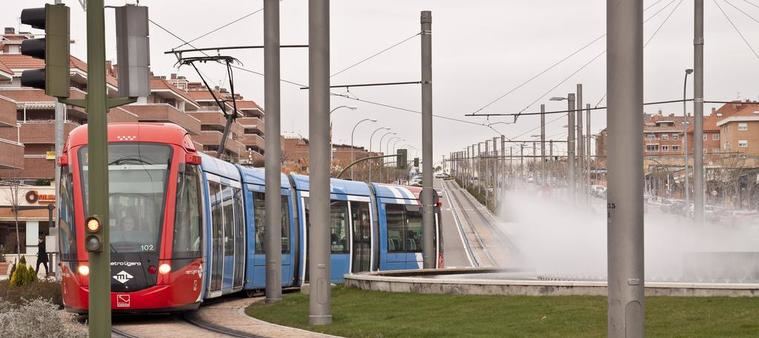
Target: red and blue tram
(185, 227)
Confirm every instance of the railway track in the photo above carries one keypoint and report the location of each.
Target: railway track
(472, 232)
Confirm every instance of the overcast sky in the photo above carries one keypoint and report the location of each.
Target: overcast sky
(481, 50)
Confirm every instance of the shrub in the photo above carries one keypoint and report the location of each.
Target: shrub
(37, 318)
(47, 290)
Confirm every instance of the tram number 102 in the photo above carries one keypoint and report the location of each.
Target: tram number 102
(147, 247)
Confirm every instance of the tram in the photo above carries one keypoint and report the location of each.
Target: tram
(186, 227)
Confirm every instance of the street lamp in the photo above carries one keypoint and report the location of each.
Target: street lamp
(352, 132)
(338, 107)
(370, 147)
(685, 137)
(387, 152)
(331, 149)
(380, 150)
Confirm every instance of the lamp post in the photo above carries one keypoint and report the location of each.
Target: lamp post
(685, 137)
(331, 148)
(380, 149)
(352, 132)
(370, 147)
(387, 152)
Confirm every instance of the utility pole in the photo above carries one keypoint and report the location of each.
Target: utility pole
(273, 154)
(486, 174)
(97, 133)
(624, 81)
(698, 113)
(479, 168)
(580, 144)
(543, 144)
(534, 158)
(511, 165)
(320, 312)
(588, 151)
(494, 175)
(428, 215)
(503, 161)
(521, 161)
(571, 175)
(60, 116)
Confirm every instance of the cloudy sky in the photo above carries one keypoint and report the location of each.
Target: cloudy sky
(482, 49)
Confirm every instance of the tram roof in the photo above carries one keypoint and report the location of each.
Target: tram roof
(135, 132)
(337, 186)
(258, 176)
(218, 167)
(396, 191)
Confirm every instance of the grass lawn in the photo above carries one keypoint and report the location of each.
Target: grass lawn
(358, 313)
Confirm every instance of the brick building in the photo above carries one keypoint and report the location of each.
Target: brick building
(295, 157)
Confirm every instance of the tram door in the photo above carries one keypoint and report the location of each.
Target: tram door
(217, 237)
(362, 236)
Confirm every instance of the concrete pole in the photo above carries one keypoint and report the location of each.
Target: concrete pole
(580, 144)
(494, 169)
(273, 154)
(318, 96)
(588, 152)
(428, 215)
(542, 144)
(503, 162)
(60, 113)
(698, 113)
(479, 168)
(571, 175)
(534, 158)
(521, 161)
(486, 169)
(624, 78)
(511, 165)
(97, 133)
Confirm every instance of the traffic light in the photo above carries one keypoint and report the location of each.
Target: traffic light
(416, 162)
(402, 158)
(133, 50)
(53, 48)
(93, 241)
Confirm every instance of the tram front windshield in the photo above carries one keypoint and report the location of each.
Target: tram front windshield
(137, 174)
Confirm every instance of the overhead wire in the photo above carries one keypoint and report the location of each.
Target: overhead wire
(375, 54)
(737, 30)
(559, 62)
(604, 52)
(219, 28)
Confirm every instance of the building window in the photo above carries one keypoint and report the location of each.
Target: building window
(675, 137)
(665, 148)
(665, 136)
(705, 137)
(742, 143)
(675, 148)
(743, 126)
(715, 137)
(651, 136)
(652, 148)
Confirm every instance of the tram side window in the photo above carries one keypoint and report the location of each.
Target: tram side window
(66, 217)
(339, 226)
(259, 211)
(187, 222)
(404, 228)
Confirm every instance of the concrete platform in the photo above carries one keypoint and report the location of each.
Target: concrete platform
(457, 281)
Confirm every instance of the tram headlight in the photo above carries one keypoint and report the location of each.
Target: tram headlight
(84, 270)
(164, 268)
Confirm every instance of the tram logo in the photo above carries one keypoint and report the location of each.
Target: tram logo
(122, 277)
(123, 301)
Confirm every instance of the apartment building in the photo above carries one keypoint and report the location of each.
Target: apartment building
(739, 128)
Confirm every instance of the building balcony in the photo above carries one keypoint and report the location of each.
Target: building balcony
(253, 123)
(11, 155)
(165, 113)
(40, 131)
(213, 120)
(213, 138)
(252, 140)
